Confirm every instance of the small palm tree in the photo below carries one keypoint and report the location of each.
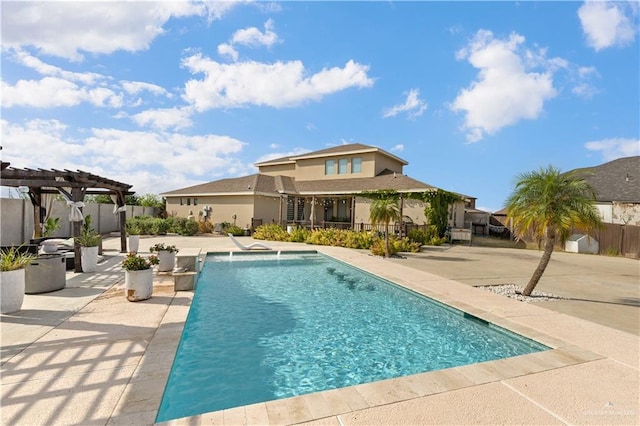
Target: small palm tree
(384, 211)
(547, 204)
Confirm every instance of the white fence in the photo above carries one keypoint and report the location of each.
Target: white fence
(16, 219)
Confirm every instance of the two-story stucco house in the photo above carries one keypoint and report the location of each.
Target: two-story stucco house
(314, 189)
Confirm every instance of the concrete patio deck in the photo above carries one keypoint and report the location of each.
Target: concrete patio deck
(84, 355)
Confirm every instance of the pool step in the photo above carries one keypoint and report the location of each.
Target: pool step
(188, 262)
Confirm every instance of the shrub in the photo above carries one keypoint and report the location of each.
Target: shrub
(378, 247)
(183, 226)
(299, 235)
(417, 235)
(234, 230)
(205, 227)
(404, 245)
(271, 232)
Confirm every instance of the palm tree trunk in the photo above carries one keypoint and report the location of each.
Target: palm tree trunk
(386, 239)
(544, 261)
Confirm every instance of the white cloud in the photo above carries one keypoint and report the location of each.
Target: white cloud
(606, 24)
(274, 146)
(615, 147)
(505, 91)
(164, 118)
(227, 50)
(152, 161)
(279, 85)
(54, 92)
(254, 37)
(413, 105)
(251, 37)
(54, 28)
(26, 59)
(135, 87)
(397, 148)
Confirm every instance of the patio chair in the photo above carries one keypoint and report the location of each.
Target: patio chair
(252, 246)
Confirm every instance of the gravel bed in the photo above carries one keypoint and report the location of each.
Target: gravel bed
(510, 290)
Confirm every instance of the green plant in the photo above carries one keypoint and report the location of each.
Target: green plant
(51, 225)
(133, 229)
(299, 235)
(15, 258)
(234, 230)
(547, 204)
(135, 262)
(612, 252)
(271, 232)
(162, 247)
(89, 239)
(380, 248)
(384, 211)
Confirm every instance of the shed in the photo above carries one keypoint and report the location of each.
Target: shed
(580, 243)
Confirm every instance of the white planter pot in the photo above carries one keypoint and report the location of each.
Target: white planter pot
(11, 290)
(134, 243)
(138, 285)
(89, 256)
(167, 261)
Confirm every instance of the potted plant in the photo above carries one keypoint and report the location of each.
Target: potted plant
(134, 231)
(89, 241)
(166, 256)
(138, 276)
(13, 262)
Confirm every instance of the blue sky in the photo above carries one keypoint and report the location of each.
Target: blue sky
(170, 94)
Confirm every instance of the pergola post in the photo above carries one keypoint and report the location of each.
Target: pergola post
(77, 195)
(123, 222)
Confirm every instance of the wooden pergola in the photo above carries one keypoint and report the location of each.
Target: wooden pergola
(73, 186)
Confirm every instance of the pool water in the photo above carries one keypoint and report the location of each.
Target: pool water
(264, 327)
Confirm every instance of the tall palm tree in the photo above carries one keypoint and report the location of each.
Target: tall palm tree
(547, 204)
(384, 211)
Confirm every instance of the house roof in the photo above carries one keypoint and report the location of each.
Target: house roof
(617, 180)
(353, 148)
(244, 184)
(264, 184)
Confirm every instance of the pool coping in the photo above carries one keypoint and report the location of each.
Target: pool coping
(512, 315)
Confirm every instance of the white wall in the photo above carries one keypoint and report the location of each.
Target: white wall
(16, 219)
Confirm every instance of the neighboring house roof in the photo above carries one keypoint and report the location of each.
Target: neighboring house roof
(264, 184)
(353, 148)
(617, 180)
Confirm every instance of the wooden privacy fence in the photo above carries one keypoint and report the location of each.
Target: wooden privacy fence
(617, 239)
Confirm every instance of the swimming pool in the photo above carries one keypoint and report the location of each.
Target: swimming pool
(270, 326)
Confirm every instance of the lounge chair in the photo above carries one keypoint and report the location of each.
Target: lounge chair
(252, 246)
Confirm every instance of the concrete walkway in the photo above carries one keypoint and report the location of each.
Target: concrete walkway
(84, 355)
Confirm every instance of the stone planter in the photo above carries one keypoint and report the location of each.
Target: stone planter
(89, 258)
(11, 290)
(134, 243)
(138, 285)
(167, 261)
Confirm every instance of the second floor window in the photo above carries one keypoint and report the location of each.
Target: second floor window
(329, 167)
(356, 165)
(342, 166)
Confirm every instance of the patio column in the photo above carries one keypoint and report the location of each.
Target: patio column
(123, 221)
(77, 195)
